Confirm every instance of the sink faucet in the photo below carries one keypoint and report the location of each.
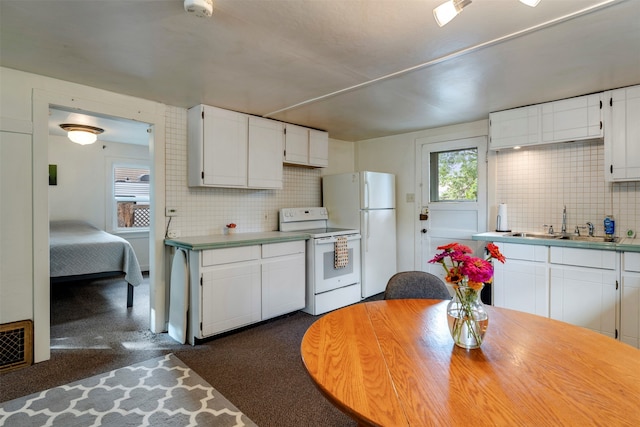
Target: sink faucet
(591, 229)
(564, 220)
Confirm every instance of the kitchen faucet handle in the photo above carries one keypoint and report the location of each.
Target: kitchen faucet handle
(550, 231)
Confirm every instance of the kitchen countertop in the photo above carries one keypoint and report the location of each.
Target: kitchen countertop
(623, 245)
(218, 241)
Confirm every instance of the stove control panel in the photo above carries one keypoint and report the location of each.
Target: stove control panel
(303, 214)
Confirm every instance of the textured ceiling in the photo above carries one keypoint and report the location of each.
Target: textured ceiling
(357, 68)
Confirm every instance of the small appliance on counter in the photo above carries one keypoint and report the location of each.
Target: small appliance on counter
(502, 222)
(333, 259)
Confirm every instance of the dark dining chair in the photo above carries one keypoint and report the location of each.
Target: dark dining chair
(416, 284)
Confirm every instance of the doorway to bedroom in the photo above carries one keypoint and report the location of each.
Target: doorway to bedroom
(105, 186)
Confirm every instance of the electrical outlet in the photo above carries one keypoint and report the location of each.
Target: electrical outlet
(172, 234)
(170, 212)
(411, 197)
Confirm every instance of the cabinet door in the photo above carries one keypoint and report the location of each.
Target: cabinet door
(266, 145)
(283, 285)
(225, 147)
(522, 285)
(230, 297)
(318, 148)
(622, 133)
(572, 119)
(584, 297)
(296, 145)
(630, 309)
(516, 127)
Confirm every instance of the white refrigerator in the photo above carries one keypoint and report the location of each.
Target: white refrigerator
(365, 201)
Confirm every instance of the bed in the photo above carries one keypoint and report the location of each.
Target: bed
(78, 250)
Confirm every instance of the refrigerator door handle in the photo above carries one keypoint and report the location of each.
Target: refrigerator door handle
(367, 231)
(366, 194)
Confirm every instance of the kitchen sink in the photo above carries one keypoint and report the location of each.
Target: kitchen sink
(533, 235)
(598, 239)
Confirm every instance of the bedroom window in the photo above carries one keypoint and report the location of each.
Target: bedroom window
(131, 193)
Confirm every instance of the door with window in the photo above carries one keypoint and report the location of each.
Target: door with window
(453, 196)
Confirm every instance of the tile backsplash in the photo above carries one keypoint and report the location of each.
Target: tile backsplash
(537, 182)
(205, 211)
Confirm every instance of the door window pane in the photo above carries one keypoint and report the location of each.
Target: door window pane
(454, 176)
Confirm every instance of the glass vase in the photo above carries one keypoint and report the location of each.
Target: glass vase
(467, 317)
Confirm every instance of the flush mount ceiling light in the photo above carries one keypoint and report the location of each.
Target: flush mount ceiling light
(451, 8)
(81, 134)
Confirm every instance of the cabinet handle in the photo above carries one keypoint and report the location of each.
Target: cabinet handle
(600, 124)
(611, 169)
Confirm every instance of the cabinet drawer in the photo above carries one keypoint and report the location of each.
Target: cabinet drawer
(229, 255)
(583, 257)
(631, 261)
(524, 252)
(271, 250)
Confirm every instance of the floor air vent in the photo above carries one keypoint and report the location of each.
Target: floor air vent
(16, 345)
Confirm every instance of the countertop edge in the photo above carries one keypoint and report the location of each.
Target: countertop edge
(624, 245)
(199, 243)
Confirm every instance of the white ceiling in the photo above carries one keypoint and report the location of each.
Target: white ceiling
(357, 68)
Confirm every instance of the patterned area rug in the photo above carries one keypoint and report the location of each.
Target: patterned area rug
(158, 392)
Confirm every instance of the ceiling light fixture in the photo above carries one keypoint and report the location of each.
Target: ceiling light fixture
(451, 8)
(81, 134)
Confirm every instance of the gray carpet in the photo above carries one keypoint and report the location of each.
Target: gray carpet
(257, 369)
(158, 392)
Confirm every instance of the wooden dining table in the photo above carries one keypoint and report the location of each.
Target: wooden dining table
(393, 363)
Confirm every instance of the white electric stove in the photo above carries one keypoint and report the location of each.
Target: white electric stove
(327, 287)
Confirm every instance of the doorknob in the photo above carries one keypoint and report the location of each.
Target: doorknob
(423, 231)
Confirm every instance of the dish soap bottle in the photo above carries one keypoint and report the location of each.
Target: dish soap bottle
(609, 226)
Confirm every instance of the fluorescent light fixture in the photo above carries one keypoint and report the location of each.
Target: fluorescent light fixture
(532, 3)
(449, 10)
(81, 134)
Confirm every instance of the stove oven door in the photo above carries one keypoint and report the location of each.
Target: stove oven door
(327, 276)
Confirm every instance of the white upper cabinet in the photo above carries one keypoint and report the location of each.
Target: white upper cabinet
(622, 134)
(230, 149)
(517, 127)
(306, 147)
(566, 120)
(296, 145)
(266, 144)
(217, 141)
(572, 119)
(318, 148)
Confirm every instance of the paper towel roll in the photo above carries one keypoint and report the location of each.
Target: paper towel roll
(502, 223)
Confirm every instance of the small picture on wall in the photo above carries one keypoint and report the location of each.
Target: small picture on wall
(53, 174)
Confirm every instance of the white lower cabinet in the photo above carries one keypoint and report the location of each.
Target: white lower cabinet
(283, 278)
(584, 288)
(230, 297)
(235, 287)
(522, 282)
(630, 299)
(574, 285)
